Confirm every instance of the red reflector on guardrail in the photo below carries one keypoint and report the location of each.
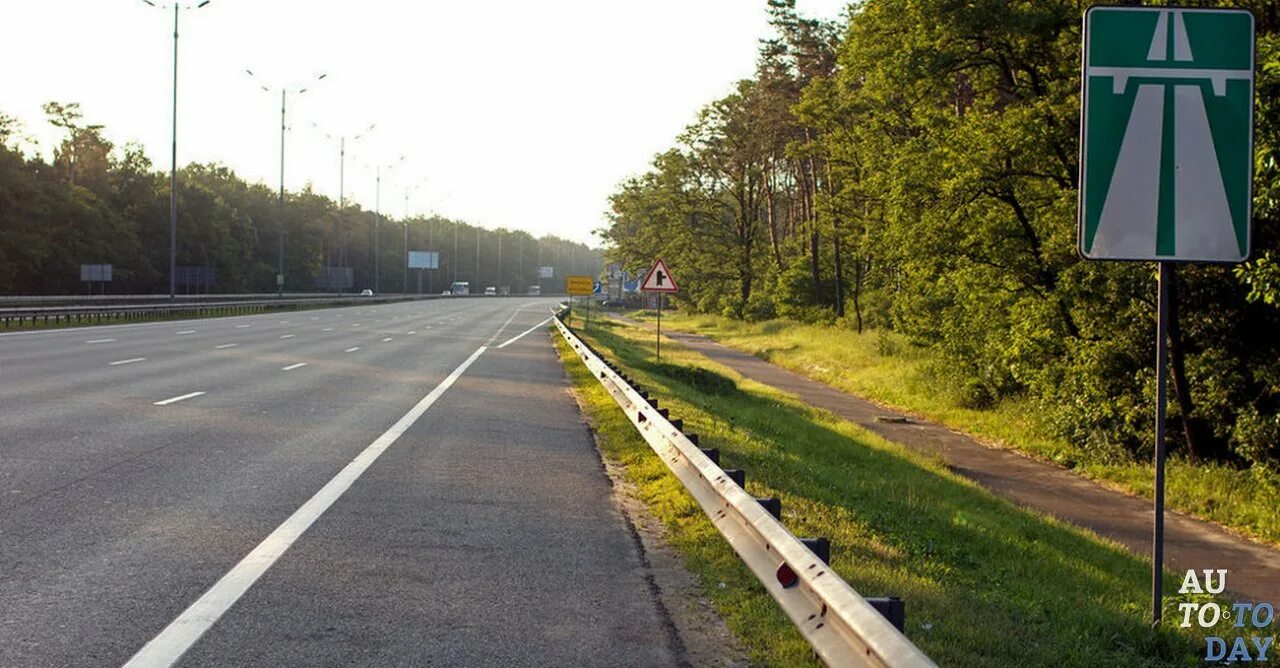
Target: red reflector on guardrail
(787, 577)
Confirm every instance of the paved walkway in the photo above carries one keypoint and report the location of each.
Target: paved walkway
(1189, 543)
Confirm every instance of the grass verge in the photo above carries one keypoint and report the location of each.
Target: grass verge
(883, 368)
(985, 583)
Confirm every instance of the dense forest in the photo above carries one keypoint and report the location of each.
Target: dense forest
(913, 167)
(96, 203)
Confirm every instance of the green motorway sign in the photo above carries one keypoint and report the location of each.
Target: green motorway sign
(1167, 137)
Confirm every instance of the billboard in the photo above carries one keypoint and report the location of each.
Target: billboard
(95, 272)
(424, 260)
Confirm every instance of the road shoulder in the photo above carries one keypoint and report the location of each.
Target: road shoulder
(702, 634)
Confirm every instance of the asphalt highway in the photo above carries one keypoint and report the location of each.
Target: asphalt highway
(405, 484)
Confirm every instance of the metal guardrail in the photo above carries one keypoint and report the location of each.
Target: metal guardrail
(99, 313)
(843, 628)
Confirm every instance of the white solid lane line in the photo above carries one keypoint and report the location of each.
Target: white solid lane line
(176, 399)
(185, 331)
(101, 341)
(351, 350)
(291, 367)
(225, 345)
(128, 361)
(503, 328)
(286, 336)
(517, 337)
(166, 648)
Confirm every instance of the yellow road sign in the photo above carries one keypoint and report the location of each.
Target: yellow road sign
(579, 285)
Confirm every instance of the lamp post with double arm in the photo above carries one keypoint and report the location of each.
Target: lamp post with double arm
(284, 95)
(173, 165)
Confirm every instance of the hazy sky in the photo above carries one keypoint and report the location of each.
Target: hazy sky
(518, 114)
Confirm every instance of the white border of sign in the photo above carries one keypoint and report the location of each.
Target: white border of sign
(1084, 131)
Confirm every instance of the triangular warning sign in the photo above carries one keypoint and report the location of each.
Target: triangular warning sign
(659, 279)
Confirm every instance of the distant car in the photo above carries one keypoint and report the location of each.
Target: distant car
(490, 291)
(366, 292)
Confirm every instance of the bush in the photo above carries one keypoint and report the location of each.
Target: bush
(760, 307)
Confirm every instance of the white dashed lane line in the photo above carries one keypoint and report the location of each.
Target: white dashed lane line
(243, 326)
(286, 336)
(351, 350)
(128, 361)
(225, 346)
(327, 329)
(386, 339)
(101, 341)
(182, 397)
(291, 367)
(184, 332)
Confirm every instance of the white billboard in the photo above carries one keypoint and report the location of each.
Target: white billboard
(424, 260)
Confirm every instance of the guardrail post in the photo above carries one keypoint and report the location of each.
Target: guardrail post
(820, 547)
(891, 608)
(738, 476)
(772, 504)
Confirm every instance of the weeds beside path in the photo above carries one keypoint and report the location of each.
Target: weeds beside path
(884, 369)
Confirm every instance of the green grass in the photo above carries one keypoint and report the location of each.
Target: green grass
(985, 583)
(883, 368)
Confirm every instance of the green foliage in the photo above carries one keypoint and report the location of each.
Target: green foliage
(917, 166)
(96, 203)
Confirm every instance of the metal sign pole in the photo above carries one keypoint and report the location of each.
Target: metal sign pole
(659, 339)
(1162, 357)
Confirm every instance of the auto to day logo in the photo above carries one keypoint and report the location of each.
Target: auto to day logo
(1167, 134)
(1251, 621)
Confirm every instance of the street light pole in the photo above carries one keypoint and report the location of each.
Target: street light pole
(377, 226)
(342, 205)
(173, 171)
(377, 219)
(280, 261)
(283, 96)
(173, 154)
(342, 195)
(407, 190)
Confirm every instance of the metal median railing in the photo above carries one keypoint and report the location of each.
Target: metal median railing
(100, 313)
(843, 628)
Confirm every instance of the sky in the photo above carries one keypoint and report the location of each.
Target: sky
(506, 113)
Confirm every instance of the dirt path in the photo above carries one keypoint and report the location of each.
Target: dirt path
(1189, 543)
